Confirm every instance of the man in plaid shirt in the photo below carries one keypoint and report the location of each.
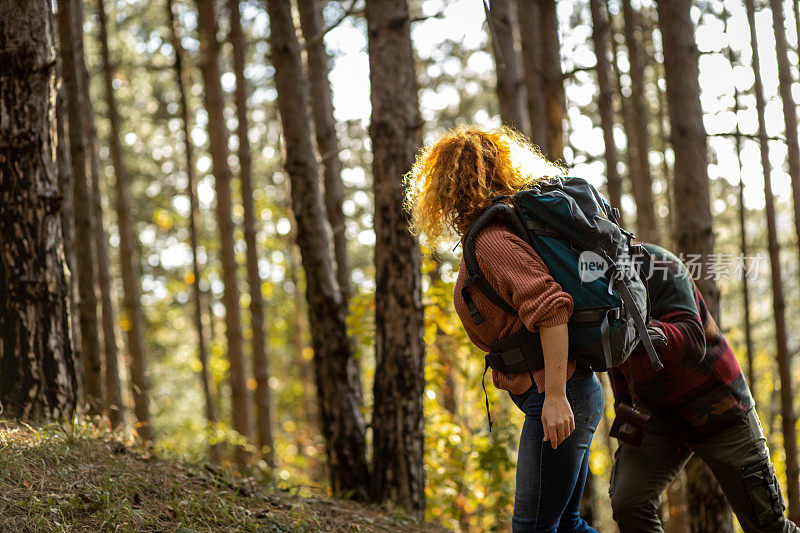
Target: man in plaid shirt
(699, 403)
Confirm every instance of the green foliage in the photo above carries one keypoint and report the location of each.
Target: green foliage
(470, 472)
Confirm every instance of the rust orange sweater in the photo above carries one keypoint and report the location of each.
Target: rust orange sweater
(521, 278)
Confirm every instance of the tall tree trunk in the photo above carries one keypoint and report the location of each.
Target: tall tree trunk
(70, 35)
(444, 348)
(297, 333)
(528, 16)
(605, 101)
(589, 500)
(67, 207)
(669, 186)
(743, 248)
(183, 81)
(128, 249)
(37, 359)
(218, 146)
(778, 305)
(552, 78)
(647, 19)
(114, 407)
(626, 111)
(325, 129)
(395, 130)
(260, 353)
(510, 85)
(639, 140)
(708, 509)
(676, 503)
(335, 369)
(793, 156)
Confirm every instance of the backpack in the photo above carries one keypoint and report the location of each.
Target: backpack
(577, 235)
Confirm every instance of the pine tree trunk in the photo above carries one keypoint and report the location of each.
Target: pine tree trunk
(778, 305)
(70, 36)
(334, 366)
(639, 141)
(260, 352)
(37, 359)
(114, 407)
(183, 81)
(743, 248)
(605, 101)
(218, 146)
(325, 129)
(510, 84)
(665, 170)
(792, 155)
(625, 108)
(395, 131)
(552, 78)
(528, 15)
(67, 207)
(676, 503)
(648, 19)
(444, 348)
(708, 509)
(296, 339)
(128, 249)
(589, 500)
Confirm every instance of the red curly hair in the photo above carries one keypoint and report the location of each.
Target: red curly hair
(455, 178)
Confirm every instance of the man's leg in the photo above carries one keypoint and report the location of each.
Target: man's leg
(739, 458)
(639, 476)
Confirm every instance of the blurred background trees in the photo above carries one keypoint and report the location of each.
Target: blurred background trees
(223, 181)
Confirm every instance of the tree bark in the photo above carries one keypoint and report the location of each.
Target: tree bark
(778, 305)
(325, 128)
(128, 249)
(743, 248)
(510, 85)
(114, 407)
(218, 146)
(183, 81)
(793, 156)
(67, 208)
(70, 31)
(552, 78)
(676, 503)
(605, 101)
(395, 131)
(663, 141)
(335, 370)
(625, 107)
(444, 348)
(37, 359)
(528, 16)
(639, 140)
(260, 353)
(708, 509)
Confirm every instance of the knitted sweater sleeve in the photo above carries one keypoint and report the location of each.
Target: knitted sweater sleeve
(521, 278)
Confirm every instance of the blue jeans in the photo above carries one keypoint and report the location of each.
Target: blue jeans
(550, 482)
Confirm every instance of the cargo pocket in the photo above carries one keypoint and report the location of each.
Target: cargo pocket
(762, 486)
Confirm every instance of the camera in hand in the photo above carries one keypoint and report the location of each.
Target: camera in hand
(630, 424)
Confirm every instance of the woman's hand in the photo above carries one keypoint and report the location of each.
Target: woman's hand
(557, 419)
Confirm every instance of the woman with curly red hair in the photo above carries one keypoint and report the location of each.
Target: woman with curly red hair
(453, 181)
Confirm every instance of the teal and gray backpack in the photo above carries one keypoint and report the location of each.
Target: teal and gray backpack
(577, 235)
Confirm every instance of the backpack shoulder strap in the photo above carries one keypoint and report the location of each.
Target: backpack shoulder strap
(475, 275)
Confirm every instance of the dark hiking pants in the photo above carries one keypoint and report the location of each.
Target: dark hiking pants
(738, 456)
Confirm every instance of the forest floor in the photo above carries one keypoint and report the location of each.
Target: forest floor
(79, 479)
